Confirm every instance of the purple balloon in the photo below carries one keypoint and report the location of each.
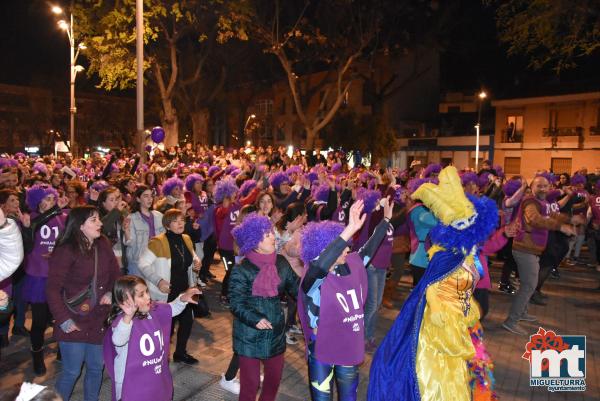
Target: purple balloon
(158, 134)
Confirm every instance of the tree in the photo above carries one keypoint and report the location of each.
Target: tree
(555, 33)
(108, 27)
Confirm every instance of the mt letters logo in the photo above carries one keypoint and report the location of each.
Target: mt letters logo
(556, 362)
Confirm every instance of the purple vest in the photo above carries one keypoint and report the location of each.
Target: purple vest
(595, 205)
(225, 238)
(383, 257)
(147, 375)
(539, 236)
(340, 336)
(36, 262)
(339, 216)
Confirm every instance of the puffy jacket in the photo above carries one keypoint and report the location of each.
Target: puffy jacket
(11, 249)
(248, 310)
(140, 234)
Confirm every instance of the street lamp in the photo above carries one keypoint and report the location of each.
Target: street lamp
(482, 95)
(250, 117)
(68, 27)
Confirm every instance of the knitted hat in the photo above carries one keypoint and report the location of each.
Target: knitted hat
(37, 193)
(251, 231)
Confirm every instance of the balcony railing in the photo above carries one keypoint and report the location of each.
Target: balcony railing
(511, 135)
(563, 131)
(595, 130)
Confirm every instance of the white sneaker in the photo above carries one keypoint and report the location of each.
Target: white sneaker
(233, 385)
(294, 329)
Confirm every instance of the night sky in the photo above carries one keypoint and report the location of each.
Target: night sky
(35, 52)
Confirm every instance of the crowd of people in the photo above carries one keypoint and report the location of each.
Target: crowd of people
(113, 252)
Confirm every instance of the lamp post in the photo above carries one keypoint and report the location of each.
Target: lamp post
(139, 89)
(68, 27)
(482, 95)
(250, 117)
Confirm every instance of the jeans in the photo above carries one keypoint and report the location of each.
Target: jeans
(250, 378)
(529, 269)
(73, 357)
(322, 375)
(575, 244)
(376, 279)
(20, 304)
(133, 269)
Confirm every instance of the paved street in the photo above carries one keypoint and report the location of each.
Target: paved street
(573, 308)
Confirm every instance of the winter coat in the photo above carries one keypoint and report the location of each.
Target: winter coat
(248, 310)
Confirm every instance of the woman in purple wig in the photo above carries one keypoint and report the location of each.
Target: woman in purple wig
(40, 234)
(255, 287)
(332, 299)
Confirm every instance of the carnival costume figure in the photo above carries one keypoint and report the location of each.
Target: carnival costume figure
(426, 354)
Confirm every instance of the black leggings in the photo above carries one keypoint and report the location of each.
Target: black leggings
(417, 273)
(482, 296)
(185, 319)
(209, 248)
(234, 366)
(40, 319)
(228, 258)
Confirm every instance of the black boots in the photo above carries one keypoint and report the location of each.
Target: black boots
(39, 367)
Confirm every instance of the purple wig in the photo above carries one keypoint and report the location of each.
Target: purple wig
(370, 197)
(499, 171)
(235, 172)
(398, 192)
(225, 188)
(20, 155)
(315, 237)
(511, 186)
(365, 176)
(295, 169)
(251, 231)
(321, 193)
(468, 177)
(414, 184)
(247, 186)
(483, 179)
(578, 179)
(212, 170)
(230, 168)
(277, 179)
(170, 184)
(40, 168)
(549, 176)
(37, 193)
(312, 177)
(100, 185)
(191, 180)
(432, 169)
(336, 168)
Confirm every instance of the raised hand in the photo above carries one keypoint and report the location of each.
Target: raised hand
(388, 208)
(128, 307)
(188, 295)
(164, 286)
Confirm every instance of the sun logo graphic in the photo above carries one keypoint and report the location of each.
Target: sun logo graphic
(556, 362)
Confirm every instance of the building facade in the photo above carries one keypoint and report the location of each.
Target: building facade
(557, 133)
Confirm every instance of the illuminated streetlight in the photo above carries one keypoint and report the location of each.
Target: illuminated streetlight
(482, 95)
(68, 27)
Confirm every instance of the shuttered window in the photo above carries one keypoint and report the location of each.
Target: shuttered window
(512, 165)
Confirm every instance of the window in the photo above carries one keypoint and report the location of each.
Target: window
(283, 107)
(514, 129)
(561, 165)
(265, 107)
(453, 109)
(512, 165)
(553, 119)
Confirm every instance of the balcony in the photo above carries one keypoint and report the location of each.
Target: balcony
(563, 131)
(595, 130)
(511, 136)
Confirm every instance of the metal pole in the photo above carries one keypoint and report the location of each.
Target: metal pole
(73, 108)
(139, 47)
(477, 149)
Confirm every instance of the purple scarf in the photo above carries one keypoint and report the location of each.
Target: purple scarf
(266, 282)
(150, 221)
